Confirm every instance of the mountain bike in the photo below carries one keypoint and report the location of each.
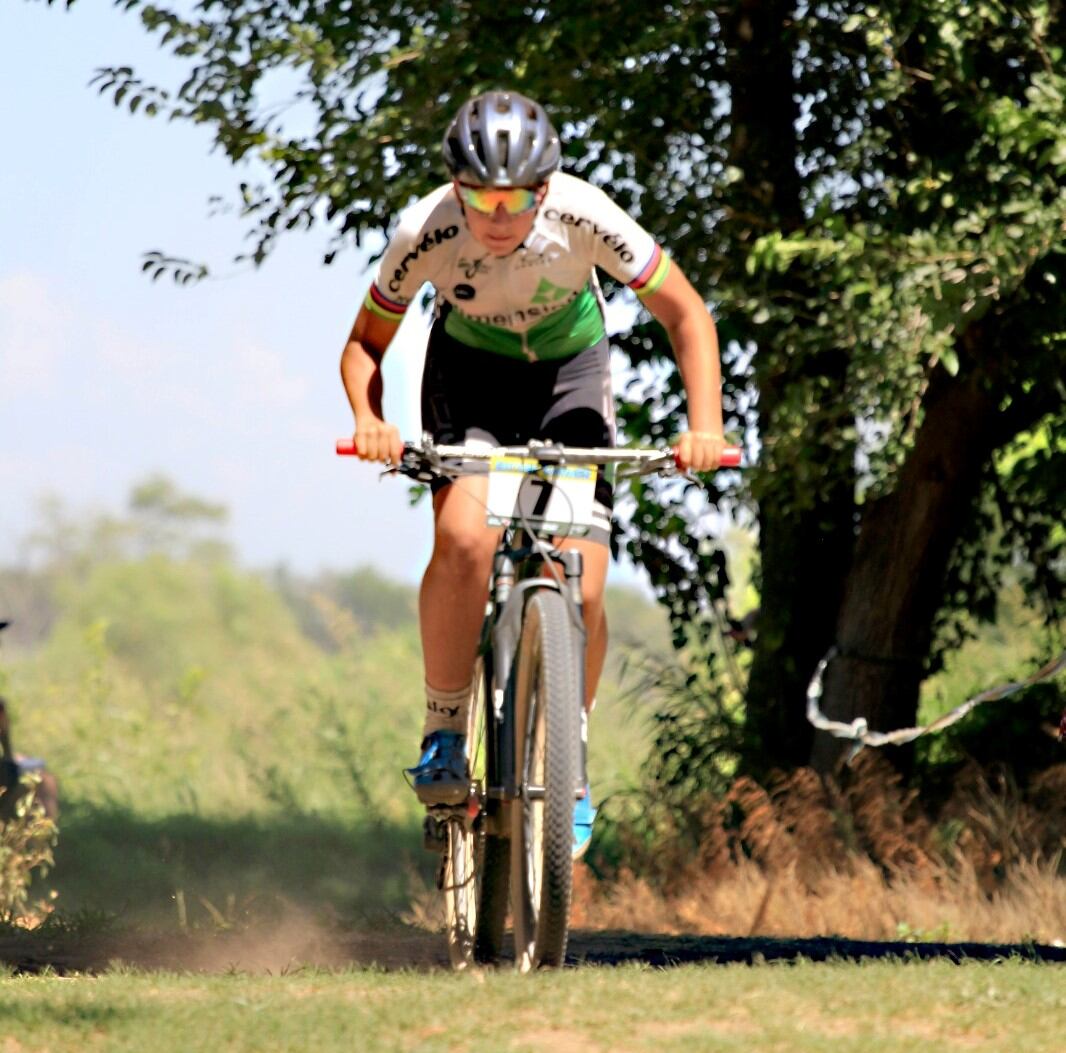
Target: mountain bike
(510, 842)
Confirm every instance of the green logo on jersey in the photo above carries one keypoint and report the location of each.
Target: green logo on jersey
(548, 293)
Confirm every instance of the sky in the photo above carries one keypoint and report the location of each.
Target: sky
(229, 387)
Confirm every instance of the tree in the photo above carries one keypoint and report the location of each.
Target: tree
(871, 198)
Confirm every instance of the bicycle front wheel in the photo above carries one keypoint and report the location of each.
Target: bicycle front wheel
(547, 687)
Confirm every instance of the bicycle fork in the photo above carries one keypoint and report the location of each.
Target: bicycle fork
(509, 597)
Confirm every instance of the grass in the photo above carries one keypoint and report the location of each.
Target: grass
(873, 1008)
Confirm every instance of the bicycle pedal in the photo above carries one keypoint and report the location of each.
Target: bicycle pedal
(434, 834)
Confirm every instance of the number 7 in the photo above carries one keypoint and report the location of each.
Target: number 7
(546, 487)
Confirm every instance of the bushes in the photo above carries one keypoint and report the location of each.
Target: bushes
(27, 839)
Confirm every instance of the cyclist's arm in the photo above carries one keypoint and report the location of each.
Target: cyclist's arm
(694, 339)
(375, 439)
(404, 267)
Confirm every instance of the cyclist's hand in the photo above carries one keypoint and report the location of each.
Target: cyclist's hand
(699, 451)
(377, 440)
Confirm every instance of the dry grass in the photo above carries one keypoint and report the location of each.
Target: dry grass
(858, 903)
(860, 858)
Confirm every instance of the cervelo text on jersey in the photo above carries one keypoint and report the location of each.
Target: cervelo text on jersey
(540, 301)
(610, 237)
(430, 239)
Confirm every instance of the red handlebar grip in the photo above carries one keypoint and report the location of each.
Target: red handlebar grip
(731, 457)
(346, 447)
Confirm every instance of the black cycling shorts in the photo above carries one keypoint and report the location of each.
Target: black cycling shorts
(471, 395)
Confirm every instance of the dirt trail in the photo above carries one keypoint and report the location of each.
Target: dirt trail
(288, 947)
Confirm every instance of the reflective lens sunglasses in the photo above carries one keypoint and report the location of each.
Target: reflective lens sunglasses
(515, 199)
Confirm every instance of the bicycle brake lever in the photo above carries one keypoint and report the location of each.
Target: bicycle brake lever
(418, 465)
(666, 467)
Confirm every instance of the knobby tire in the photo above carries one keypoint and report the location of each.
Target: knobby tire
(547, 685)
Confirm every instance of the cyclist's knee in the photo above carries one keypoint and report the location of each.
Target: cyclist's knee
(464, 549)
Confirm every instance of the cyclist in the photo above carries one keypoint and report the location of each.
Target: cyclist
(518, 350)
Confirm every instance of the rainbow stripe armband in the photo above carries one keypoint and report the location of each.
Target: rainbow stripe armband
(378, 303)
(653, 274)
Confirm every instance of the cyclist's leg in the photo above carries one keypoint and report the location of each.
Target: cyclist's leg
(595, 557)
(467, 395)
(451, 609)
(458, 385)
(455, 585)
(582, 414)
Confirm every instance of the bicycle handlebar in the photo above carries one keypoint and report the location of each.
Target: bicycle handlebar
(548, 453)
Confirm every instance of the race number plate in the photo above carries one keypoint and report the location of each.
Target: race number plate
(553, 498)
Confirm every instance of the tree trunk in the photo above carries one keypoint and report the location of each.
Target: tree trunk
(896, 585)
(804, 555)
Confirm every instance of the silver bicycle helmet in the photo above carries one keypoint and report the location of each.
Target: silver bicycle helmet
(501, 138)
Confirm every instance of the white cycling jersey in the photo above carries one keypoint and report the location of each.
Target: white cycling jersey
(541, 301)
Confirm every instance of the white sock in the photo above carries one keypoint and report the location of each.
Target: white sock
(446, 710)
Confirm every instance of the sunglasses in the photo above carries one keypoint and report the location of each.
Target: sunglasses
(486, 199)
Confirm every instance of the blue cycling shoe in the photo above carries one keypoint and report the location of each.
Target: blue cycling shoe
(584, 814)
(440, 775)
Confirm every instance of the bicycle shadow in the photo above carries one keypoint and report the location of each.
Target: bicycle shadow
(662, 951)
